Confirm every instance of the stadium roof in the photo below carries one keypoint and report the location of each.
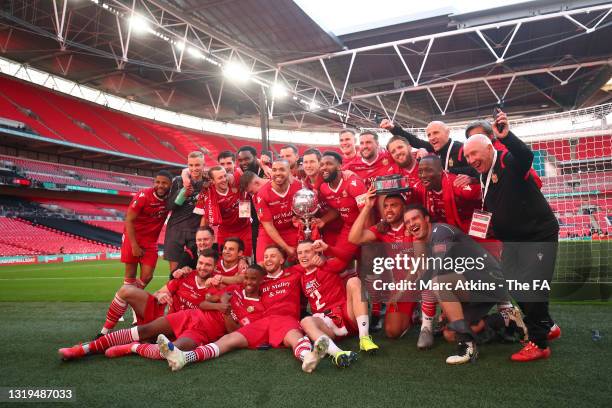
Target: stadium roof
(539, 56)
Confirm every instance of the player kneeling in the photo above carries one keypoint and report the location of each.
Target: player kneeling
(337, 307)
(279, 326)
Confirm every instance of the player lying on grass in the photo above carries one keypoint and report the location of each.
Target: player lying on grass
(337, 307)
(178, 294)
(279, 326)
(244, 308)
(191, 325)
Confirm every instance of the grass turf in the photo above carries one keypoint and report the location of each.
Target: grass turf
(39, 315)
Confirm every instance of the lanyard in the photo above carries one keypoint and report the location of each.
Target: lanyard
(485, 187)
(448, 154)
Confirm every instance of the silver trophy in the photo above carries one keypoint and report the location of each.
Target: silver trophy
(305, 206)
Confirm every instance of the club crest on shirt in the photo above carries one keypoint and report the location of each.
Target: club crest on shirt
(344, 194)
(250, 309)
(494, 178)
(385, 162)
(450, 162)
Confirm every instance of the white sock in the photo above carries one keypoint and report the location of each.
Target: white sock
(135, 336)
(134, 347)
(104, 331)
(363, 322)
(427, 322)
(332, 349)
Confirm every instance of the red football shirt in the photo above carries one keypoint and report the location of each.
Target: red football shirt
(186, 294)
(435, 205)
(323, 287)
(391, 236)
(274, 207)
(344, 198)
(280, 293)
(244, 309)
(228, 207)
(383, 165)
(151, 214)
(220, 269)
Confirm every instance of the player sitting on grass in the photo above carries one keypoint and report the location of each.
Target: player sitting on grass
(178, 294)
(196, 321)
(280, 296)
(338, 309)
(245, 308)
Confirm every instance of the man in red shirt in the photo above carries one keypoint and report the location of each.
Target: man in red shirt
(398, 318)
(311, 163)
(345, 195)
(279, 326)
(225, 205)
(227, 160)
(406, 160)
(337, 307)
(347, 144)
(444, 201)
(372, 161)
(289, 152)
(144, 221)
(187, 295)
(274, 203)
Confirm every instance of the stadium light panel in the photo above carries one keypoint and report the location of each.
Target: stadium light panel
(194, 52)
(180, 45)
(279, 91)
(139, 24)
(236, 72)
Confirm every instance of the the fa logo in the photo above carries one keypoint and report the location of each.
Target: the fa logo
(540, 256)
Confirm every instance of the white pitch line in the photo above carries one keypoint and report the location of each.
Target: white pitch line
(61, 266)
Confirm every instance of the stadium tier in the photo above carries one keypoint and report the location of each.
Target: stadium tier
(21, 237)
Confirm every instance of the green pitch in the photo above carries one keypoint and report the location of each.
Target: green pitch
(44, 307)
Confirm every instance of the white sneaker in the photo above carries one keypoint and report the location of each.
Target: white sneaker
(173, 355)
(466, 353)
(312, 359)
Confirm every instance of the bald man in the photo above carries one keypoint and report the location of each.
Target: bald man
(439, 142)
(522, 219)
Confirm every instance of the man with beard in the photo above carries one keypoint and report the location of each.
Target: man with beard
(401, 153)
(346, 195)
(247, 160)
(278, 327)
(143, 223)
(183, 222)
(519, 213)
(371, 162)
(439, 142)
(347, 145)
(398, 317)
(273, 204)
(181, 294)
